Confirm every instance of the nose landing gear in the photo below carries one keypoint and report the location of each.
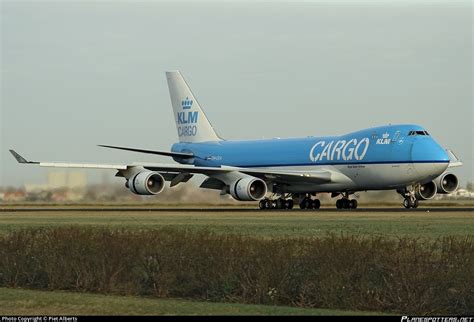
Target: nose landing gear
(409, 200)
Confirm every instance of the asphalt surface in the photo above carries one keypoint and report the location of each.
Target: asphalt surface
(225, 209)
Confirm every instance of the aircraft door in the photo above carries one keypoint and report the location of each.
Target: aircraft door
(401, 150)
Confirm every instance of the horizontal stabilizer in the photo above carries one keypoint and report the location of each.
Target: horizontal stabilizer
(165, 153)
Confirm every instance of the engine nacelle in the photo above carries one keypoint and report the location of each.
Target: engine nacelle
(146, 183)
(446, 183)
(248, 189)
(425, 191)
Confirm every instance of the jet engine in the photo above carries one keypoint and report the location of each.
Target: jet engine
(248, 189)
(146, 183)
(425, 191)
(446, 183)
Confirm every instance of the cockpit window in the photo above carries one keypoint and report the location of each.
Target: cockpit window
(411, 133)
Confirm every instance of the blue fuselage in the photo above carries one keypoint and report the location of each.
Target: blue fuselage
(387, 157)
(382, 145)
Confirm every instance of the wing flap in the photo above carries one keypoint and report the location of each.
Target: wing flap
(291, 176)
(83, 165)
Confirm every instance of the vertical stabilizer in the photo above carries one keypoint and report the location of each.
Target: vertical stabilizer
(191, 122)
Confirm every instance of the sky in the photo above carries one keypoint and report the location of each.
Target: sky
(75, 74)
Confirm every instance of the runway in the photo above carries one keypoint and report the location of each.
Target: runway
(233, 210)
(430, 222)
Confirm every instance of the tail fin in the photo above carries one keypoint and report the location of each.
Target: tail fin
(191, 122)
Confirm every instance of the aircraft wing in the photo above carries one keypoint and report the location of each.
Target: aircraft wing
(22, 160)
(284, 176)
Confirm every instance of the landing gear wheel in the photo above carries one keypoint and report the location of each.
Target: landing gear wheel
(316, 204)
(353, 204)
(268, 204)
(303, 204)
(415, 203)
(289, 204)
(346, 203)
(406, 203)
(280, 203)
(306, 203)
(262, 204)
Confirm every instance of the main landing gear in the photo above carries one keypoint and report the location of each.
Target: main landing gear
(280, 203)
(308, 203)
(288, 201)
(346, 203)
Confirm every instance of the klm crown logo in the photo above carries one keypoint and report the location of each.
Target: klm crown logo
(385, 139)
(186, 104)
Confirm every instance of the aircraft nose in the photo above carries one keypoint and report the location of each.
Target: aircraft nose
(426, 150)
(429, 158)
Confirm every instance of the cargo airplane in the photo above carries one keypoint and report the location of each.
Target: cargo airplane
(282, 172)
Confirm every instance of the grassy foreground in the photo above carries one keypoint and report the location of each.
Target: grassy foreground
(265, 224)
(27, 302)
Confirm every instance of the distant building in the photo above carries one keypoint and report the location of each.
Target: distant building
(14, 196)
(458, 194)
(60, 186)
(62, 179)
(57, 179)
(76, 180)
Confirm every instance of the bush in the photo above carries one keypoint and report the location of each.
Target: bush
(349, 272)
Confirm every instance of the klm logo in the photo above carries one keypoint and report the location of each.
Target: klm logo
(385, 139)
(187, 120)
(186, 104)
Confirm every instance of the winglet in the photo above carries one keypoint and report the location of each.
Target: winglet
(453, 159)
(21, 159)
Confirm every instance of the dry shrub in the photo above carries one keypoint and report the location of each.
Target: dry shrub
(352, 272)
